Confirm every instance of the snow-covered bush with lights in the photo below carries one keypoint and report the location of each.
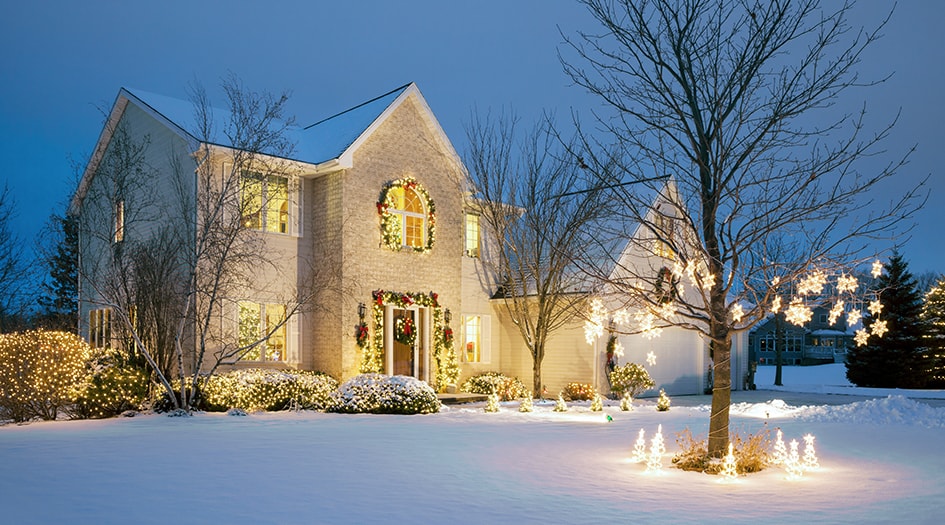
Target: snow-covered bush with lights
(492, 404)
(663, 402)
(40, 372)
(383, 394)
(255, 389)
(560, 405)
(579, 392)
(626, 402)
(508, 388)
(526, 404)
(111, 387)
(597, 404)
(630, 379)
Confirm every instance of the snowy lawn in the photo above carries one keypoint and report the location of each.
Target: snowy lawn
(880, 460)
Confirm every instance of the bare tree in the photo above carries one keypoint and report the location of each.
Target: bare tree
(736, 100)
(181, 263)
(12, 266)
(535, 210)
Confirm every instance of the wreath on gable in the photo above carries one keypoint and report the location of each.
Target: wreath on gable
(666, 285)
(391, 234)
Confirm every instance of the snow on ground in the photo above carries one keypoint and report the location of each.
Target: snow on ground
(880, 463)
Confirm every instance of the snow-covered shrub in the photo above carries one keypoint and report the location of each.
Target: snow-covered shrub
(508, 388)
(579, 391)
(111, 387)
(40, 371)
(526, 404)
(626, 403)
(597, 405)
(663, 402)
(383, 394)
(492, 404)
(630, 378)
(255, 389)
(560, 405)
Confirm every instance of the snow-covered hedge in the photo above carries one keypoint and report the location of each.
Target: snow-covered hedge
(255, 389)
(382, 394)
(113, 386)
(508, 388)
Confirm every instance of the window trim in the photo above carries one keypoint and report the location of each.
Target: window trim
(475, 251)
(266, 197)
(262, 350)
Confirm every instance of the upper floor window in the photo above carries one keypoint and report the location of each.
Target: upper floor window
(472, 235)
(264, 324)
(119, 221)
(407, 216)
(265, 202)
(664, 232)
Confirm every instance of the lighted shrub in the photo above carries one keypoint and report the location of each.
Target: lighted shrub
(39, 373)
(382, 394)
(579, 392)
(508, 388)
(630, 378)
(111, 386)
(751, 453)
(256, 389)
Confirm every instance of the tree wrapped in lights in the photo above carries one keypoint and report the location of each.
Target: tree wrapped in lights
(597, 404)
(526, 404)
(700, 90)
(654, 461)
(792, 464)
(626, 402)
(729, 466)
(663, 402)
(810, 455)
(40, 372)
(639, 448)
(560, 405)
(780, 450)
(492, 403)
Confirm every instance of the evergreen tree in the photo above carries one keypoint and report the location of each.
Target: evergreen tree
(897, 359)
(933, 313)
(59, 301)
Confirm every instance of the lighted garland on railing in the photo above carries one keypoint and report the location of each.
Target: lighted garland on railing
(447, 366)
(391, 234)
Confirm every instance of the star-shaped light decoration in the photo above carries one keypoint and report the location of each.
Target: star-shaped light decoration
(853, 317)
(877, 269)
(875, 307)
(798, 313)
(776, 281)
(776, 304)
(594, 326)
(691, 271)
(836, 312)
(677, 269)
(648, 326)
(651, 358)
(708, 281)
(618, 349)
(667, 310)
(846, 283)
(861, 337)
(737, 313)
(879, 328)
(812, 284)
(621, 316)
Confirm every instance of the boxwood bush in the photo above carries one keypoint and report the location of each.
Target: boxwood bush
(383, 394)
(508, 388)
(630, 378)
(256, 389)
(113, 386)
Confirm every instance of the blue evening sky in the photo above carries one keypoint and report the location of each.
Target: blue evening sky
(63, 62)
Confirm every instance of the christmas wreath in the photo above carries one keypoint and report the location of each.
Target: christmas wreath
(405, 331)
(666, 278)
(361, 334)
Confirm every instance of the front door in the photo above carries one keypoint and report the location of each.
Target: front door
(408, 358)
(404, 353)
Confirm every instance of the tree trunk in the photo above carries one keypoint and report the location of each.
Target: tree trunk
(538, 355)
(721, 394)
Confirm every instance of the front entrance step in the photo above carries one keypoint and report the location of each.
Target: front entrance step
(461, 397)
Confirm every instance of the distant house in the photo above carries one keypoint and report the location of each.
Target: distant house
(377, 196)
(816, 342)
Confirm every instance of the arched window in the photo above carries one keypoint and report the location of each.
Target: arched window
(407, 216)
(412, 216)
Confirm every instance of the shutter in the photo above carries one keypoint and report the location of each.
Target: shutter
(295, 206)
(486, 337)
(293, 342)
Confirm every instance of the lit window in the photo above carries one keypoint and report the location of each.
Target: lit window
(472, 235)
(256, 321)
(664, 232)
(265, 202)
(119, 221)
(413, 218)
(100, 327)
(472, 349)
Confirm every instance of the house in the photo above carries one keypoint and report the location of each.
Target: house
(373, 200)
(818, 341)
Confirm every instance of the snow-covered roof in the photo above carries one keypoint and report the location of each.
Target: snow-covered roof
(830, 333)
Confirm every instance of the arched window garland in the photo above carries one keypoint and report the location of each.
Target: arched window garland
(666, 286)
(444, 358)
(391, 234)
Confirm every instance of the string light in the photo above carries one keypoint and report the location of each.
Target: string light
(875, 307)
(846, 283)
(793, 463)
(780, 450)
(639, 449)
(879, 328)
(812, 284)
(861, 337)
(654, 462)
(798, 313)
(776, 304)
(853, 317)
(836, 312)
(877, 269)
(737, 313)
(810, 455)
(729, 470)
(650, 358)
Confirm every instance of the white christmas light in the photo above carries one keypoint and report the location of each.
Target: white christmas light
(793, 463)
(618, 349)
(776, 304)
(677, 270)
(737, 313)
(836, 312)
(812, 284)
(877, 269)
(667, 310)
(654, 462)
(846, 283)
(780, 451)
(594, 326)
(621, 316)
(729, 472)
(810, 456)
(861, 337)
(651, 358)
(798, 313)
(879, 328)
(708, 281)
(875, 307)
(639, 449)
(853, 317)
